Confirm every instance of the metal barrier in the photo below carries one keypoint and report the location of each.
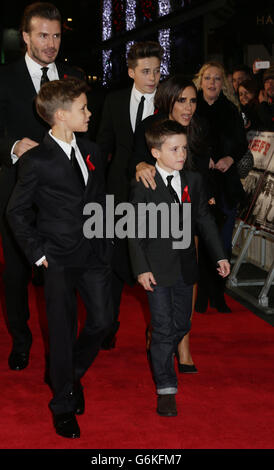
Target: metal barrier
(234, 283)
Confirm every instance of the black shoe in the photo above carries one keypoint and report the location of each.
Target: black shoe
(110, 340)
(80, 399)
(222, 307)
(166, 405)
(66, 425)
(18, 360)
(187, 368)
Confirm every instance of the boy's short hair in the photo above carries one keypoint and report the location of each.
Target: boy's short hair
(158, 132)
(142, 50)
(58, 94)
(44, 10)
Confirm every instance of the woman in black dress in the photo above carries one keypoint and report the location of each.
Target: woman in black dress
(228, 144)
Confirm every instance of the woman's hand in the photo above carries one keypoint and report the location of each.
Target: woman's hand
(224, 164)
(146, 173)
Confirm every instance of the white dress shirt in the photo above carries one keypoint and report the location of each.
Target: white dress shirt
(35, 72)
(175, 182)
(135, 99)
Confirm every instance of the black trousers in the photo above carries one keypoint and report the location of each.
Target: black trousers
(70, 356)
(16, 277)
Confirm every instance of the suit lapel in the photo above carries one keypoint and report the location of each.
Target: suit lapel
(161, 186)
(26, 83)
(125, 103)
(61, 156)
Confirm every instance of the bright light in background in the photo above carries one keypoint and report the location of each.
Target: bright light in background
(164, 37)
(106, 34)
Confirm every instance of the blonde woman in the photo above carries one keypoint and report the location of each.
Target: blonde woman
(227, 140)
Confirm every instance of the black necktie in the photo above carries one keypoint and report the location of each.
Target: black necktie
(172, 191)
(44, 77)
(140, 110)
(75, 165)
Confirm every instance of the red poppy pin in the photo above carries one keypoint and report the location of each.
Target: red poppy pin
(89, 163)
(65, 76)
(185, 195)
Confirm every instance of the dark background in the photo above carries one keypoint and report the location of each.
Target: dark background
(228, 30)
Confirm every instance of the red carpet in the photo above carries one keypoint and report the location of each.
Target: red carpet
(227, 405)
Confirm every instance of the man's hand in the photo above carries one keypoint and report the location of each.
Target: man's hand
(224, 164)
(224, 268)
(146, 173)
(45, 263)
(146, 279)
(23, 145)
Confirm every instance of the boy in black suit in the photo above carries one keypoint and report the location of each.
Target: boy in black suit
(122, 111)
(167, 272)
(59, 177)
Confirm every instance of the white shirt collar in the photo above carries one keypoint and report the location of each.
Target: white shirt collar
(138, 94)
(64, 145)
(35, 68)
(165, 173)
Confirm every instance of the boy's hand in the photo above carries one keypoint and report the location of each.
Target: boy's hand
(146, 173)
(224, 268)
(23, 145)
(45, 263)
(146, 279)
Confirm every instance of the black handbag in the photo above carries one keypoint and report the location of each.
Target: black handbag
(245, 164)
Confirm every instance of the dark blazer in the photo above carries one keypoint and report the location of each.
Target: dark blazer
(115, 138)
(18, 118)
(47, 181)
(157, 255)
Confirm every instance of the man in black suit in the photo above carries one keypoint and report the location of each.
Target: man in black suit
(165, 270)
(20, 130)
(59, 177)
(122, 111)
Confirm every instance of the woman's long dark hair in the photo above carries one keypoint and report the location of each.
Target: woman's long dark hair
(169, 91)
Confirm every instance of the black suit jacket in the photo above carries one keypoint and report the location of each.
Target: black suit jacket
(18, 118)
(157, 255)
(115, 138)
(48, 184)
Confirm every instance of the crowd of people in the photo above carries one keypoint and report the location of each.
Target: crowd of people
(176, 141)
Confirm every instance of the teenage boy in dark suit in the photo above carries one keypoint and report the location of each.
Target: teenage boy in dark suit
(167, 272)
(122, 111)
(21, 129)
(59, 177)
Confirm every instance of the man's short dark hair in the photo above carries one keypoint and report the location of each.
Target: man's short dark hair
(44, 10)
(142, 50)
(58, 94)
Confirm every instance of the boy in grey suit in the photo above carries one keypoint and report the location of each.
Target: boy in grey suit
(165, 271)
